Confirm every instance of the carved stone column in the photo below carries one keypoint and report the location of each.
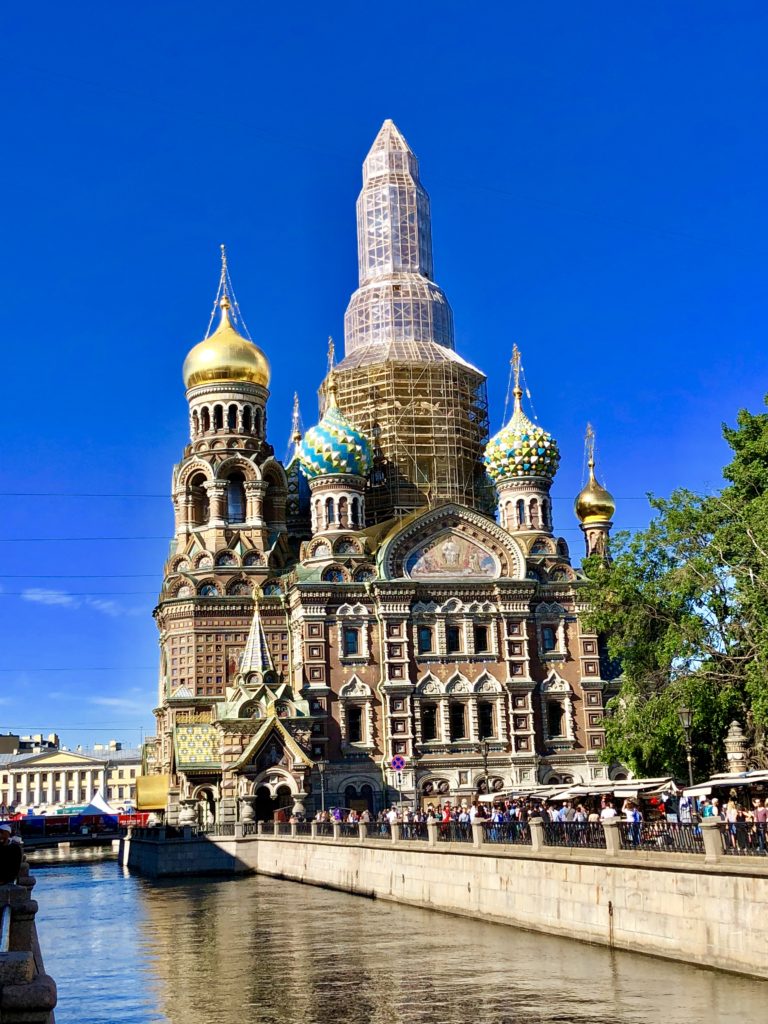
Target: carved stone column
(217, 497)
(255, 490)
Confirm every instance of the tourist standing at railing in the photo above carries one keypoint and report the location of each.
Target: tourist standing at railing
(634, 819)
(760, 815)
(608, 811)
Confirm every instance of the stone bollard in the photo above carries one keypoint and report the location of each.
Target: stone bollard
(336, 831)
(313, 830)
(537, 834)
(362, 831)
(712, 834)
(612, 832)
(239, 830)
(395, 826)
(431, 833)
(478, 833)
(293, 830)
(260, 828)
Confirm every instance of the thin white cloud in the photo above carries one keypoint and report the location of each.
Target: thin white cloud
(119, 703)
(61, 599)
(40, 595)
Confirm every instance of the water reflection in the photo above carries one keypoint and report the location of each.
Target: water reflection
(272, 952)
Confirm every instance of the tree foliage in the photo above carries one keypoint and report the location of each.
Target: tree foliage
(683, 607)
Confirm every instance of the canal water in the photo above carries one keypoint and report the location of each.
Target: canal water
(263, 951)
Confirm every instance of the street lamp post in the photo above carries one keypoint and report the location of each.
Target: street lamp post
(321, 770)
(686, 722)
(484, 748)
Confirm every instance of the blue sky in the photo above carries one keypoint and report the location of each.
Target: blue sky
(597, 175)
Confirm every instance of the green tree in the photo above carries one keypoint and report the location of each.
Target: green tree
(683, 608)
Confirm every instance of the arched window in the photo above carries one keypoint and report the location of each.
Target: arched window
(350, 795)
(195, 423)
(218, 417)
(343, 512)
(534, 511)
(330, 513)
(257, 422)
(366, 793)
(200, 506)
(232, 417)
(247, 419)
(520, 512)
(206, 419)
(236, 498)
(356, 513)
(546, 514)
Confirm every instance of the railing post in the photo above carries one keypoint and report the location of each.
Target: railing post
(259, 828)
(239, 827)
(537, 834)
(432, 833)
(612, 831)
(313, 830)
(712, 834)
(362, 831)
(395, 831)
(293, 830)
(336, 831)
(478, 833)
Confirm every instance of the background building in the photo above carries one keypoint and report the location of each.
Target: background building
(364, 602)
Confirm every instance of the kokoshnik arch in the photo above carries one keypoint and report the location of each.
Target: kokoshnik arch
(367, 599)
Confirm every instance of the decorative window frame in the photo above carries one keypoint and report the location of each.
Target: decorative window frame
(554, 616)
(555, 688)
(356, 693)
(358, 617)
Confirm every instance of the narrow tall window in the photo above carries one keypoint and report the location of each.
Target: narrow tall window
(535, 519)
(458, 720)
(236, 498)
(520, 512)
(218, 417)
(355, 725)
(555, 718)
(453, 639)
(356, 513)
(425, 639)
(206, 419)
(247, 419)
(485, 719)
(232, 417)
(481, 639)
(330, 515)
(548, 639)
(429, 723)
(351, 641)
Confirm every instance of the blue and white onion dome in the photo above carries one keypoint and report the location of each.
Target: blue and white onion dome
(334, 446)
(521, 449)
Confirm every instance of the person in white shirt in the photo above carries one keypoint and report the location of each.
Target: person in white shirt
(392, 816)
(609, 811)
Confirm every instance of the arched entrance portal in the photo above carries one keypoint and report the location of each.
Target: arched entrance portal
(267, 804)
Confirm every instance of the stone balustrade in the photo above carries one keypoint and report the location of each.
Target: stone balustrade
(27, 993)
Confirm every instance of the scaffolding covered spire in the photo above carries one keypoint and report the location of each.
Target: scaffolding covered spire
(397, 306)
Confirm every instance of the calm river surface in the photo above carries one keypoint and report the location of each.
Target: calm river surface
(263, 951)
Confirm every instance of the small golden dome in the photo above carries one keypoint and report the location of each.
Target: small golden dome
(594, 504)
(225, 356)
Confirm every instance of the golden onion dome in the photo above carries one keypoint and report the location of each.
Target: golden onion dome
(594, 504)
(225, 356)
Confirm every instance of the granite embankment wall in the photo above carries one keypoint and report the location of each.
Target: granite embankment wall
(672, 905)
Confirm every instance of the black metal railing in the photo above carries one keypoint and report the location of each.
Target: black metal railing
(454, 832)
(349, 830)
(414, 830)
(304, 828)
(283, 828)
(661, 836)
(514, 833)
(585, 834)
(744, 838)
(378, 830)
(325, 828)
(250, 828)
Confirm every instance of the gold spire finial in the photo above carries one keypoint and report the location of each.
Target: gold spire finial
(296, 422)
(330, 387)
(516, 368)
(589, 450)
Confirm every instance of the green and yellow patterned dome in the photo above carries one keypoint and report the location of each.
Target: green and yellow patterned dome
(334, 446)
(522, 448)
